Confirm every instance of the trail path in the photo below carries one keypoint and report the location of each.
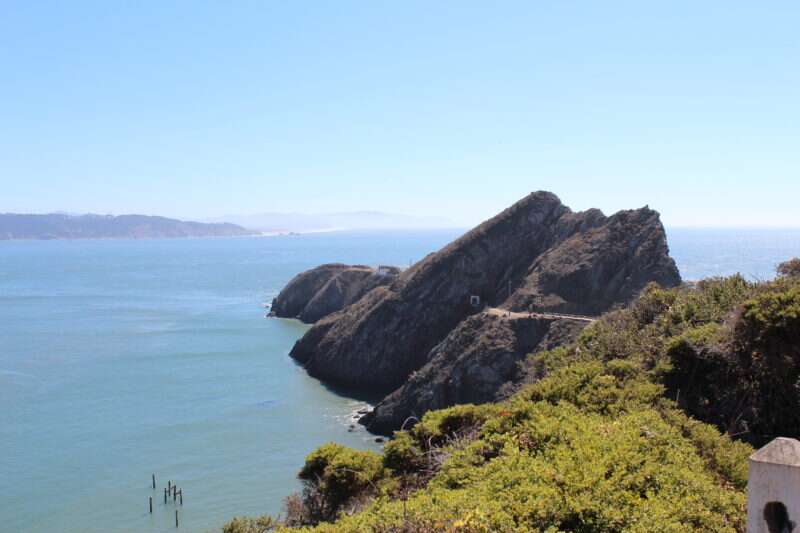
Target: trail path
(496, 311)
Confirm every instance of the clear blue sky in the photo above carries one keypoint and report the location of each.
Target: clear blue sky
(198, 109)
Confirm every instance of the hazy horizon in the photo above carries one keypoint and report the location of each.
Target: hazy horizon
(442, 223)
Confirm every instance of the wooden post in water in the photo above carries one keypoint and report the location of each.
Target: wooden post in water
(165, 495)
(169, 484)
(180, 492)
(176, 518)
(174, 492)
(151, 505)
(154, 482)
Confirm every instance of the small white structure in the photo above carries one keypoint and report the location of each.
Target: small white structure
(475, 300)
(773, 488)
(383, 270)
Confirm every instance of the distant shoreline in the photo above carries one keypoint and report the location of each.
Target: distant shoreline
(57, 226)
(254, 233)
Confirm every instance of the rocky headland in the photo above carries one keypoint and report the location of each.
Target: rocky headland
(316, 293)
(454, 327)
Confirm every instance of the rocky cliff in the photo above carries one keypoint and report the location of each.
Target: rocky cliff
(318, 292)
(537, 255)
(476, 363)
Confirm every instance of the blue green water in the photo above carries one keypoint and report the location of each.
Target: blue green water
(119, 359)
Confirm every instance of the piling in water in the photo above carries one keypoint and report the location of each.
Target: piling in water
(154, 482)
(151, 505)
(180, 493)
(165, 495)
(176, 518)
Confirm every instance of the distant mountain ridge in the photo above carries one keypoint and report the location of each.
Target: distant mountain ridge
(90, 226)
(358, 220)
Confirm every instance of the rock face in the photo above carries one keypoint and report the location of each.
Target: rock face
(318, 292)
(537, 255)
(475, 363)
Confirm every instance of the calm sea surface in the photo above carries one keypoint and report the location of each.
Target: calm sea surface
(119, 359)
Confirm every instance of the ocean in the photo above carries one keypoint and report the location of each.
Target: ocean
(120, 359)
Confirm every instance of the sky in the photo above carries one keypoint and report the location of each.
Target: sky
(448, 108)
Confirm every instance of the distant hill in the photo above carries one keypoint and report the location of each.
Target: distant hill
(304, 223)
(61, 226)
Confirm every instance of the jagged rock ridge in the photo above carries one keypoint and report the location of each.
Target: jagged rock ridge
(537, 255)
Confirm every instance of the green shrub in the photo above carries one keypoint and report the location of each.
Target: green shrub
(607, 389)
(563, 463)
(723, 455)
(600, 441)
(336, 474)
(261, 524)
(767, 345)
(438, 426)
(402, 453)
(770, 322)
(652, 303)
(712, 300)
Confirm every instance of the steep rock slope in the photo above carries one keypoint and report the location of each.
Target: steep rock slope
(593, 270)
(537, 254)
(473, 364)
(316, 293)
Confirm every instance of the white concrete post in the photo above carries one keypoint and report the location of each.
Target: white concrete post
(773, 488)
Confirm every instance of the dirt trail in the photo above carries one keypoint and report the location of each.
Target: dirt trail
(496, 311)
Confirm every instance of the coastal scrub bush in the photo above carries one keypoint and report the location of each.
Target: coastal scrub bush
(726, 457)
(403, 453)
(335, 475)
(653, 302)
(593, 387)
(262, 524)
(602, 438)
(438, 426)
(598, 458)
(710, 300)
(725, 349)
(766, 341)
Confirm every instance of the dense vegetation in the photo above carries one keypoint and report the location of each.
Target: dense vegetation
(644, 424)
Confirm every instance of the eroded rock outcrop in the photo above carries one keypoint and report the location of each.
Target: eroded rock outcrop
(475, 363)
(537, 255)
(316, 293)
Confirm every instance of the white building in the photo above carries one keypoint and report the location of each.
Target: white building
(773, 488)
